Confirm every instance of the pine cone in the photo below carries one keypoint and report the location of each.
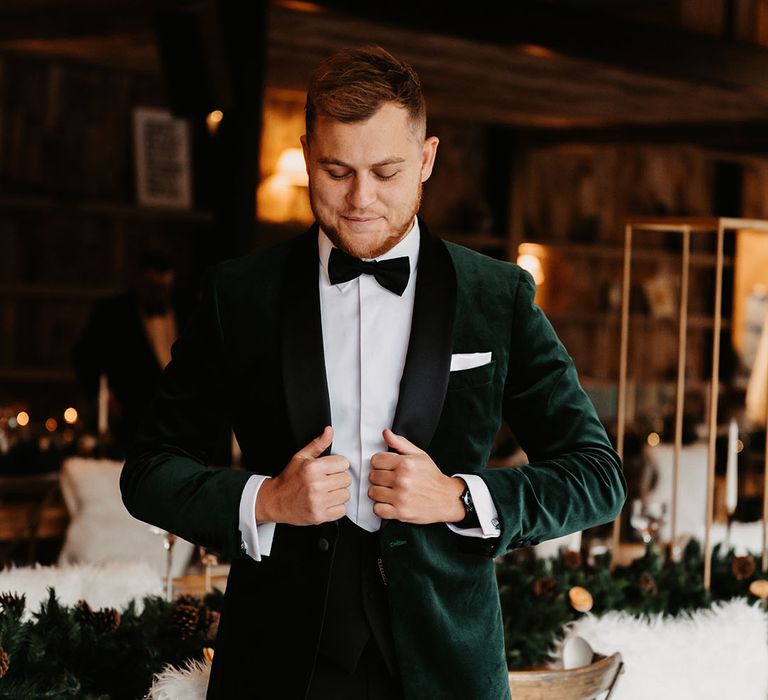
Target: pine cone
(571, 559)
(212, 628)
(107, 619)
(192, 600)
(5, 662)
(185, 617)
(83, 613)
(544, 587)
(743, 567)
(648, 584)
(13, 603)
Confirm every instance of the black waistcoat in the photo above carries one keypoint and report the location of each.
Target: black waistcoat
(357, 600)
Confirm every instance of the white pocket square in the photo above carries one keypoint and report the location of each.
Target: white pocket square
(468, 360)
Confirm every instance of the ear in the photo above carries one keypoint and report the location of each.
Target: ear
(428, 153)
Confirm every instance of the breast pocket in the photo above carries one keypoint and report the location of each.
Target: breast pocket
(469, 419)
(473, 377)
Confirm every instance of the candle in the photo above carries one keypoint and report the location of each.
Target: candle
(103, 404)
(731, 471)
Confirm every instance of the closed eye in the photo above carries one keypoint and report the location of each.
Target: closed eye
(337, 176)
(344, 176)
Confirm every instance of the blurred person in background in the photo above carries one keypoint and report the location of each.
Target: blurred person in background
(128, 337)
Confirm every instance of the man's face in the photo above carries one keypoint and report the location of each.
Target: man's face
(155, 289)
(365, 178)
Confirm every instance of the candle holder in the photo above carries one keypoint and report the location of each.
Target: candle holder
(169, 540)
(208, 560)
(647, 518)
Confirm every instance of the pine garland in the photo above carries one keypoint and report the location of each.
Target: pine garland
(77, 652)
(649, 585)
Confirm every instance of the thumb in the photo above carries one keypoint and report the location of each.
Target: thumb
(402, 444)
(318, 445)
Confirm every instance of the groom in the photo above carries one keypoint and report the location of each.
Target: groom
(365, 368)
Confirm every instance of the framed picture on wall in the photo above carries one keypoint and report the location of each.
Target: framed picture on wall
(162, 159)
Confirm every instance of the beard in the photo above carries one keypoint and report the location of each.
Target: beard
(391, 238)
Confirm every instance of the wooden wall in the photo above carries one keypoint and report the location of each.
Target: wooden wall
(70, 231)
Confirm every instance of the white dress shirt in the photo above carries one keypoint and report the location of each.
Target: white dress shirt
(161, 331)
(366, 329)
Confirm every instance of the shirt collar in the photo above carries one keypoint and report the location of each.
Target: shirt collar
(408, 246)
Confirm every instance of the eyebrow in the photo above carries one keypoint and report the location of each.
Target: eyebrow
(335, 161)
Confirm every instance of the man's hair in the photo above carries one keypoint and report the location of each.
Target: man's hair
(352, 84)
(155, 259)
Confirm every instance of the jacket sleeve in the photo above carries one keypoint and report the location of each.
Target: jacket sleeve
(166, 479)
(574, 479)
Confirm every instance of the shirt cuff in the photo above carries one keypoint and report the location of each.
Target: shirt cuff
(255, 539)
(484, 507)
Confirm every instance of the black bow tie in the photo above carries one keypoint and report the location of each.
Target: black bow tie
(392, 274)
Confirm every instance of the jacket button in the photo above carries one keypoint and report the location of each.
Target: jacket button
(323, 544)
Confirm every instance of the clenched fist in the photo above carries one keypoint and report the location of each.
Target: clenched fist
(310, 490)
(407, 485)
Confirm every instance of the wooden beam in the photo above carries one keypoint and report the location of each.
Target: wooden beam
(746, 137)
(649, 48)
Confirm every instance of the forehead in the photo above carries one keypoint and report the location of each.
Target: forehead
(388, 133)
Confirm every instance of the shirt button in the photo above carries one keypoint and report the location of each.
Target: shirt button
(323, 544)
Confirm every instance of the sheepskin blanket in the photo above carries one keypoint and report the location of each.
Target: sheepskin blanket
(101, 529)
(102, 585)
(712, 654)
(187, 683)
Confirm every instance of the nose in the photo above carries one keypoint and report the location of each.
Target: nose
(362, 192)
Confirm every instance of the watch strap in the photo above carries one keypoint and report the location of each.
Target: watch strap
(470, 514)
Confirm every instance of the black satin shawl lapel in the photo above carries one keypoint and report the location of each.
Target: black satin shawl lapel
(428, 359)
(303, 358)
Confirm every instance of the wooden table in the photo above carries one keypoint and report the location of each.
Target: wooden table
(31, 509)
(194, 584)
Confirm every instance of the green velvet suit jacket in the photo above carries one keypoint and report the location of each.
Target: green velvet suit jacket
(252, 356)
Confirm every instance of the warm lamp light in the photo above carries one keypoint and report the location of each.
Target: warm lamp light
(290, 167)
(283, 196)
(70, 415)
(22, 418)
(531, 262)
(213, 119)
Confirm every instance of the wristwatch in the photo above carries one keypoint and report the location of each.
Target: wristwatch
(470, 515)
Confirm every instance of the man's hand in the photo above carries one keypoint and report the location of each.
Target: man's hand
(407, 485)
(310, 490)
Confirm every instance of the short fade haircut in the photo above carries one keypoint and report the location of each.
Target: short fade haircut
(352, 84)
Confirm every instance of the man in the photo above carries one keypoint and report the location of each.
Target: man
(128, 337)
(366, 367)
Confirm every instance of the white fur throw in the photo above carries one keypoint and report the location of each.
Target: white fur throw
(713, 654)
(101, 585)
(187, 683)
(101, 529)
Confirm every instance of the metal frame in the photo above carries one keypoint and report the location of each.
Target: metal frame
(686, 227)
